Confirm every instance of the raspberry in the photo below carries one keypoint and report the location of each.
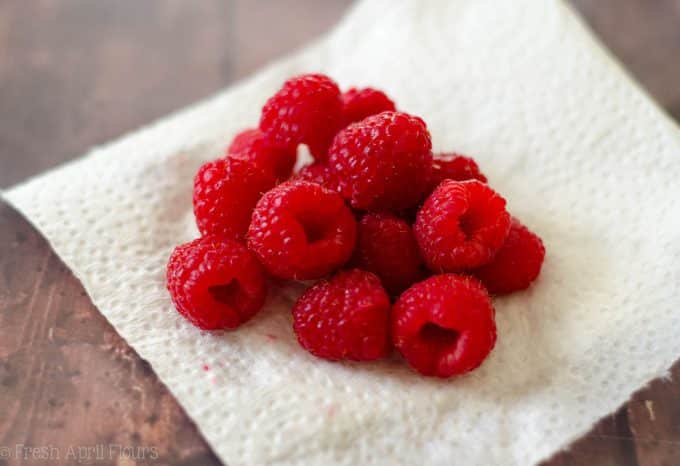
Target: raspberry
(306, 110)
(358, 104)
(301, 230)
(383, 162)
(386, 247)
(346, 317)
(225, 193)
(516, 264)
(252, 145)
(319, 173)
(444, 325)
(215, 283)
(454, 167)
(461, 225)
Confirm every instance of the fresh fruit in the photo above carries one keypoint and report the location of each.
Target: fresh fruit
(301, 230)
(345, 317)
(253, 146)
(306, 110)
(319, 173)
(382, 162)
(454, 167)
(358, 104)
(516, 264)
(444, 325)
(461, 226)
(374, 215)
(215, 283)
(386, 247)
(225, 193)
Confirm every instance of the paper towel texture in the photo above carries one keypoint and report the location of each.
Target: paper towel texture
(583, 157)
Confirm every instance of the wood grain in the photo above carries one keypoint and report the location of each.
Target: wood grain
(75, 73)
(66, 378)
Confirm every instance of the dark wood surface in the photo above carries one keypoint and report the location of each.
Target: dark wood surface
(76, 73)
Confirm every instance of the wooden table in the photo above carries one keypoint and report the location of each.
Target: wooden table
(75, 73)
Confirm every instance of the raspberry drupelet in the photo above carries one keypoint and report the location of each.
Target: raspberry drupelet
(345, 317)
(382, 162)
(386, 247)
(306, 110)
(444, 326)
(461, 226)
(225, 193)
(215, 283)
(517, 263)
(302, 231)
(252, 145)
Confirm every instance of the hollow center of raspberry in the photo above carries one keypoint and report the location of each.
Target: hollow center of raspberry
(465, 225)
(314, 229)
(439, 337)
(230, 294)
(469, 223)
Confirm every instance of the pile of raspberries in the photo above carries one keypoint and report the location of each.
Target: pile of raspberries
(408, 246)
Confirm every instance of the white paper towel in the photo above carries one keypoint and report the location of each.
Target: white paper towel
(582, 156)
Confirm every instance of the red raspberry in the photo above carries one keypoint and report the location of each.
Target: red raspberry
(516, 264)
(445, 325)
(252, 145)
(319, 173)
(386, 247)
(215, 283)
(346, 317)
(301, 230)
(225, 193)
(361, 103)
(454, 167)
(306, 110)
(383, 162)
(461, 226)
